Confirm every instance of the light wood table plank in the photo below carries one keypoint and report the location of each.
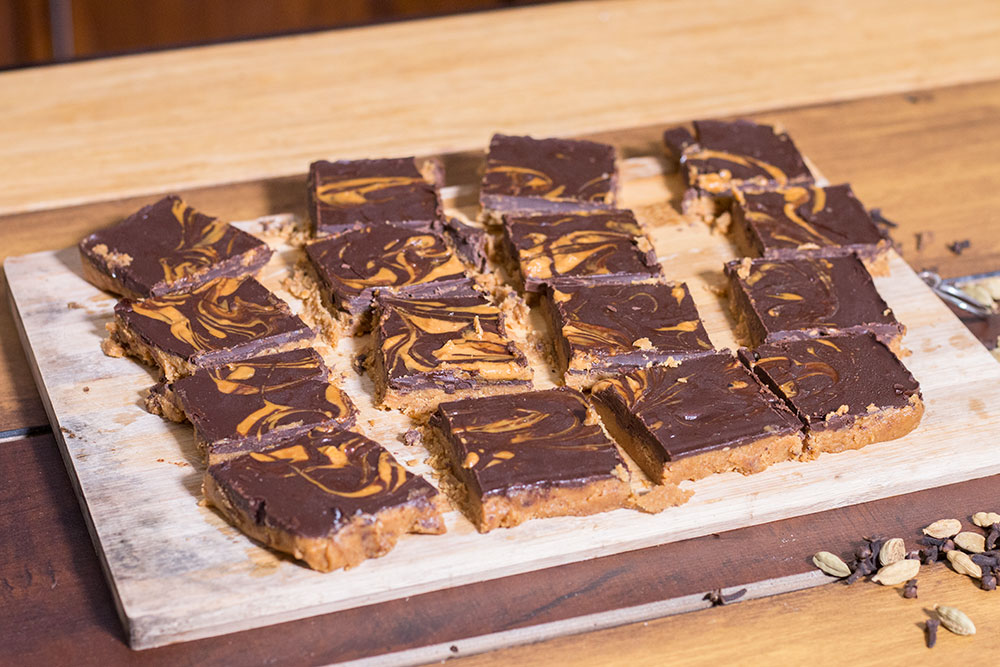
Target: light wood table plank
(120, 127)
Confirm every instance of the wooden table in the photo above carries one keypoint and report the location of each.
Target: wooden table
(901, 100)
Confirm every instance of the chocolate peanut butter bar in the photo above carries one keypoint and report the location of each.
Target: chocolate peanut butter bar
(439, 341)
(222, 321)
(777, 299)
(601, 330)
(354, 193)
(168, 247)
(353, 264)
(247, 405)
(707, 415)
(331, 498)
(849, 391)
(530, 455)
(526, 175)
(722, 156)
(802, 221)
(470, 242)
(606, 246)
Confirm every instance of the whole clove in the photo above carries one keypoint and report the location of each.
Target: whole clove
(988, 582)
(910, 589)
(929, 555)
(958, 247)
(719, 599)
(932, 627)
(861, 569)
(993, 537)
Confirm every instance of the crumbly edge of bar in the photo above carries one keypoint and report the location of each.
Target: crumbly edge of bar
(163, 401)
(102, 280)
(747, 327)
(420, 403)
(364, 536)
(318, 311)
(209, 448)
(880, 426)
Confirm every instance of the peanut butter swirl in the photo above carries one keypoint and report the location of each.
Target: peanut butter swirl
(222, 320)
(360, 192)
(171, 246)
(501, 444)
(832, 381)
(625, 325)
(602, 246)
(355, 263)
(706, 403)
(523, 173)
(806, 218)
(451, 334)
(247, 404)
(315, 483)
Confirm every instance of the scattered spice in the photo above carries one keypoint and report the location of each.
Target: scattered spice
(719, 599)
(955, 620)
(924, 239)
(897, 573)
(943, 528)
(971, 542)
(985, 519)
(932, 627)
(831, 564)
(992, 538)
(988, 582)
(412, 437)
(910, 589)
(86, 390)
(892, 551)
(962, 564)
(958, 247)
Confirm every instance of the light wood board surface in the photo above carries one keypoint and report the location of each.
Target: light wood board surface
(180, 572)
(203, 116)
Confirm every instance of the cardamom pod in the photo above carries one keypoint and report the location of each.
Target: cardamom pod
(894, 550)
(963, 564)
(831, 564)
(898, 572)
(955, 620)
(971, 542)
(985, 519)
(943, 528)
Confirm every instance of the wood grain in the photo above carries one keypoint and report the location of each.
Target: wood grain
(122, 127)
(180, 572)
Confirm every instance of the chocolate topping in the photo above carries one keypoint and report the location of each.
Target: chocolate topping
(221, 321)
(346, 194)
(819, 377)
(314, 484)
(468, 241)
(601, 246)
(624, 326)
(547, 175)
(797, 298)
(445, 335)
(501, 444)
(353, 264)
(169, 246)
(248, 404)
(704, 404)
(810, 220)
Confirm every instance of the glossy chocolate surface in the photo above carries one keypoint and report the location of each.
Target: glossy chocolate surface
(501, 444)
(602, 246)
(447, 336)
(352, 265)
(468, 241)
(353, 193)
(704, 404)
(169, 246)
(246, 405)
(794, 298)
(725, 154)
(314, 484)
(790, 221)
(221, 321)
(624, 326)
(547, 175)
(830, 381)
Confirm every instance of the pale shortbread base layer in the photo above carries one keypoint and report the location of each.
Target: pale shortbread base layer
(365, 536)
(420, 403)
(122, 341)
(867, 429)
(745, 459)
(520, 505)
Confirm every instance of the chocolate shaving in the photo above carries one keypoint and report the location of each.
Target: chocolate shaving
(358, 362)
(719, 599)
(412, 437)
(932, 628)
(910, 589)
(958, 247)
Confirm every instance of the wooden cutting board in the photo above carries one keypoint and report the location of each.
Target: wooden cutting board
(179, 572)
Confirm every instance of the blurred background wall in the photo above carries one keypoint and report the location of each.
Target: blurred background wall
(42, 31)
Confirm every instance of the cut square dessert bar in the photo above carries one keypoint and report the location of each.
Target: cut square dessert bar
(354, 193)
(442, 340)
(708, 415)
(775, 299)
(808, 221)
(527, 175)
(605, 329)
(725, 155)
(849, 391)
(532, 455)
(168, 247)
(331, 498)
(352, 265)
(605, 246)
(222, 321)
(247, 405)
